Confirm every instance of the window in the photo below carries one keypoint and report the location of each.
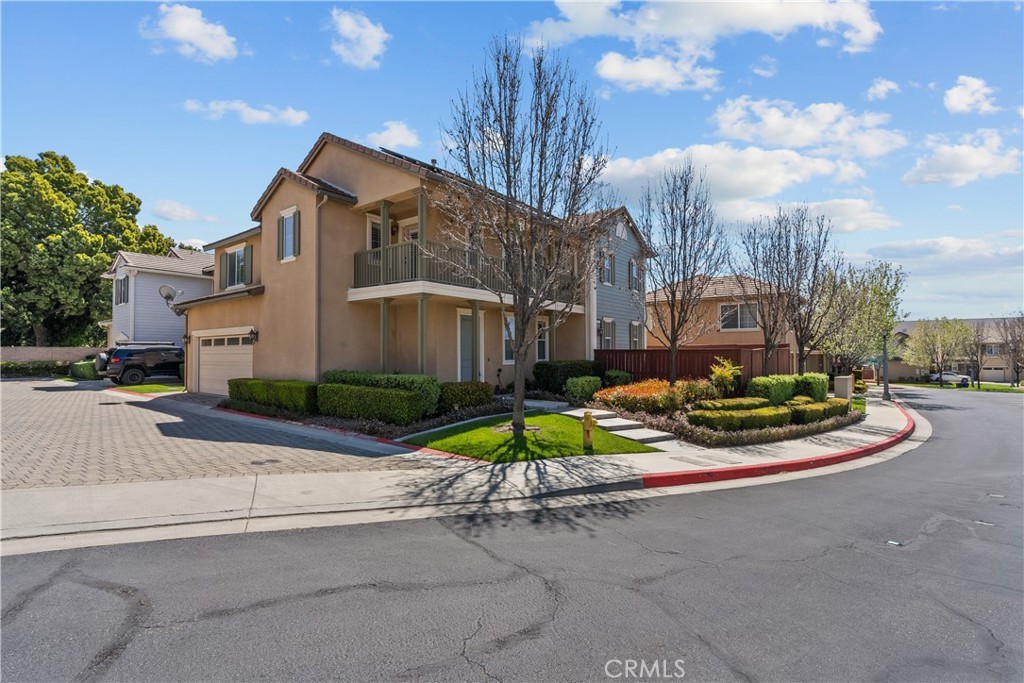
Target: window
(121, 290)
(634, 276)
(542, 338)
(608, 268)
(634, 334)
(738, 316)
(993, 350)
(288, 235)
(374, 235)
(508, 332)
(235, 267)
(606, 333)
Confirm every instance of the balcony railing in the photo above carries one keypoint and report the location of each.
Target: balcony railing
(435, 262)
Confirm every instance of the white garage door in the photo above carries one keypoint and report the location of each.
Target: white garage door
(221, 359)
(992, 375)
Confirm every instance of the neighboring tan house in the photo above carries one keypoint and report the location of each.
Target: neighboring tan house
(614, 299)
(730, 316)
(338, 274)
(140, 314)
(995, 368)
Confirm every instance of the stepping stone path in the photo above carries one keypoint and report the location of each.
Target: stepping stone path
(609, 421)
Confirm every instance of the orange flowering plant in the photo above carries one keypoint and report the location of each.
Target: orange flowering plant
(656, 395)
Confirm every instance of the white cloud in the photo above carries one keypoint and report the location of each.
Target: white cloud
(195, 242)
(765, 67)
(395, 134)
(880, 89)
(978, 155)
(671, 38)
(195, 37)
(216, 109)
(826, 127)
(937, 254)
(175, 211)
(970, 94)
(360, 42)
(954, 207)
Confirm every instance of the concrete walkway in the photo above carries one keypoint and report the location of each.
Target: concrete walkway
(71, 516)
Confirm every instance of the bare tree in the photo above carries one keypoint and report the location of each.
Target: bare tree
(816, 305)
(976, 349)
(689, 248)
(524, 141)
(765, 274)
(934, 344)
(1011, 336)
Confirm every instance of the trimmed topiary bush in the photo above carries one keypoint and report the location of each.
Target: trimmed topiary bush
(397, 406)
(813, 384)
(551, 375)
(457, 395)
(427, 388)
(799, 401)
(734, 420)
(749, 403)
(579, 390)
(614, 378)
(837, 407)
(776, 388)
(810, 412)
(288, 394)
(85, 369)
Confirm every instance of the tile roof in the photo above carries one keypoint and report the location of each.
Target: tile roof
(401, 161)
(721, 287)
(309, 182)
(180, 261)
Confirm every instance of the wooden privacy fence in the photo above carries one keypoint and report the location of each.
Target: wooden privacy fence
(694, 361)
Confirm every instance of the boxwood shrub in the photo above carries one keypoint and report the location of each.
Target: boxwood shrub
(551, 375)
(615, 378)
(799, 401)
(813, 384)
(776, 388)
(837, 407)
(456, 395)
(84, 369)
(581, 389)
(397, 406)
(748, 403)
(810, 412)
(734, 420)
(427, 388)
(289, 394)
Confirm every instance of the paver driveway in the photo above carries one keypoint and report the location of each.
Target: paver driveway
(55, 433)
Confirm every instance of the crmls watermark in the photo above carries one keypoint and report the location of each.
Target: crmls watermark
(645, 669)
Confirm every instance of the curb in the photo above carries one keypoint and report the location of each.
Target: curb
(663, 479)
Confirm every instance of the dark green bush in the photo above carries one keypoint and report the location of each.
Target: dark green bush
(813, 384)
(456, 395)
(397, 406)
(579, 390)
(289, 394)
(85, 369)
(772, 416)
(733, 420)
(810, 412)
(551, 375)
(35, 368)
(615, 378)
(427, 388)
(837, 407)
(776, 388)
(733, 404)
(799, 401)
(721, 420)
(860, 387)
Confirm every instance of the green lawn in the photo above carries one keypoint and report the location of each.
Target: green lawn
(152, 388)
(559, 436)
(985, 386)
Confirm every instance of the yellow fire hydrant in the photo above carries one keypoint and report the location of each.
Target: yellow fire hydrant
(588, 429)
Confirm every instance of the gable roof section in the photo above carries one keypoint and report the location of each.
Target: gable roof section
(237, 237)
(627, 218)
(318, 185)
(177, 261)
(721, 287)
(398, 160)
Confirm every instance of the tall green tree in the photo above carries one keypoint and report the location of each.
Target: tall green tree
(60, 232)
(869, 310)
(934, 344)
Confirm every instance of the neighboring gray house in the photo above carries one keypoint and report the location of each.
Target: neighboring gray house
(140, 314)
(616, 295)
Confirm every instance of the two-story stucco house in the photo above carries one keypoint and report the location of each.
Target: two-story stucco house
(139, 313)
(338, 273)
(615, 298)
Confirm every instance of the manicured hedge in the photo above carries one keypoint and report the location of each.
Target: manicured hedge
(809, 412)
(749, 403)
(581, 389)
(456, 395)
(813, 384)
(35, 368)
(837, 407)
(615, 378)
(799, 401)
(397, 406)
(776, 388)
(84, 369)
(427, 388)
(551, 375)
(290, 394)
(734, 420)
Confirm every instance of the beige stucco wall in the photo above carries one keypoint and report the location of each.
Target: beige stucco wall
(225, 314)
(255, 241)
(709, 311)
(368, 178)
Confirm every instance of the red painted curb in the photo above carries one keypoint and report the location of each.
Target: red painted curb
(662, 479)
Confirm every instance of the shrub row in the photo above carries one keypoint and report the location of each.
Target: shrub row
(733, 420)
(614, 378)
(799, 401)
(552, 375)
(34, 368)
(657, 395)
(749, 403)
(579, 390)
(84, 369)
(398, 406)
(780, 388)
(458, 395)
(426, 388)
(289, 394)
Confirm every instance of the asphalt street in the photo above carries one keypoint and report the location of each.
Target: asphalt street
(911, 569)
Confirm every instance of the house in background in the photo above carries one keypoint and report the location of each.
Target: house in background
(139, 313)
(995, 368)
(615, 308)
(346, 268)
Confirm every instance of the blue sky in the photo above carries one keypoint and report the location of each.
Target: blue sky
(901, 121)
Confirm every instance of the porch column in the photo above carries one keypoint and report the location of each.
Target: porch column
(385, 222)
(551, 339)
(421, 213)
(385, 335)
(422, 348)
(474, 306)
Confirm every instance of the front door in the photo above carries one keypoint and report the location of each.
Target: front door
(465, 348)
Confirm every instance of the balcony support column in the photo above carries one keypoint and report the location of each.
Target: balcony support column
(421, 214)
(421, 351)
(474, 306)
(385, 335)
(551, 339)
(385, 222)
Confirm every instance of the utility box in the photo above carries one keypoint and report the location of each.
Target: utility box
(844, 386)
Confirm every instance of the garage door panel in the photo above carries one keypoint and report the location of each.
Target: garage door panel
(221, 359)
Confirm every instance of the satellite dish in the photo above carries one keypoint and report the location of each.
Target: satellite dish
(168, 293)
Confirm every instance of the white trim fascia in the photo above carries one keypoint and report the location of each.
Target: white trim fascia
(131, 303)
(223, 331)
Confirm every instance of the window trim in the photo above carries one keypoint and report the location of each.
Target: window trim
(370, 220)
(232, 253)
(635, 325)
(739, 318)
(505, 330)
(122, 282)
(293, 213)
(543, 322)
(606, 330)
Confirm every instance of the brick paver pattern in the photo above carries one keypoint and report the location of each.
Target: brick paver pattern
(55, 433)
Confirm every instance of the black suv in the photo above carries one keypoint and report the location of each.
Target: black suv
(133, 363)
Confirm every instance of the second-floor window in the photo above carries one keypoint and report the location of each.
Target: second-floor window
(634, 276)
(738, 316)
(993, 350)
(608, 268)
(121, 290)
(288, 235)
(236, 267)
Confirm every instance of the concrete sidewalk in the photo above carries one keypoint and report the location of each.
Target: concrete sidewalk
(49, 518)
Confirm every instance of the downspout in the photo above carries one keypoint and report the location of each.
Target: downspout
(316, 274)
